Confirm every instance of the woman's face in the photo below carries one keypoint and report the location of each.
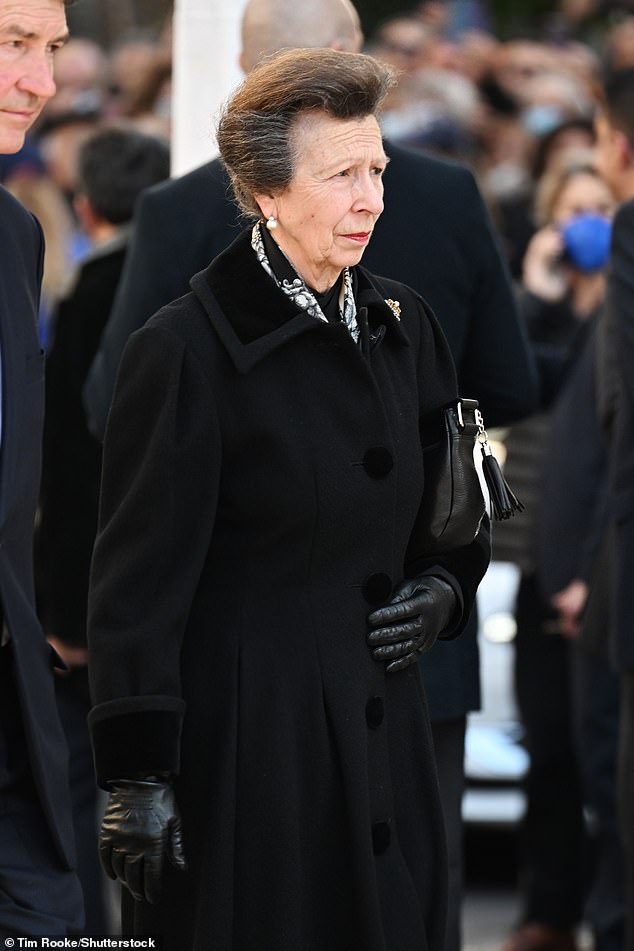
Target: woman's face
(326, 216)
(583, 194)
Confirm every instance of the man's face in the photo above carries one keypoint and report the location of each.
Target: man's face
(31, 31)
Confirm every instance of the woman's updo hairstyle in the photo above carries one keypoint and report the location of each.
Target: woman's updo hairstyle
(255, 130)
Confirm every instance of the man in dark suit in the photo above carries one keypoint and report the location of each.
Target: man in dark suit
(615, 158)
(434, 235)
(39, 892)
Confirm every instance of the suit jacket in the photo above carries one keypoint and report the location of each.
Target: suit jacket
(22, 410)
(434, 235)
(619, 313)
(571, 522)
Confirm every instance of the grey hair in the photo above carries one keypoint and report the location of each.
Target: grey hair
(255, 132)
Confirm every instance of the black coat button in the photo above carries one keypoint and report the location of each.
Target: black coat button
(378, 462)
(377, 588)
(374, 712)
(381, 836)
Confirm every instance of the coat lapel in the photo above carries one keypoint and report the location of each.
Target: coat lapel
(21, 364)
(253, 317)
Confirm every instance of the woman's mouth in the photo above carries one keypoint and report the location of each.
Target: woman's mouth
(361, 237)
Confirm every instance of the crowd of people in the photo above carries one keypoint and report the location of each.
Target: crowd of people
(261, 674)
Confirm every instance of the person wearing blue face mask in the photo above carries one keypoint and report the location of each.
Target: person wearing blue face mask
(561, 299)
(586, 239)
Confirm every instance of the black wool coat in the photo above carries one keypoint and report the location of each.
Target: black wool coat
(434, 235)
(262, 477)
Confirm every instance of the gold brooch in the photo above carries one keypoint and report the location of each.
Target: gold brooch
(395, 307)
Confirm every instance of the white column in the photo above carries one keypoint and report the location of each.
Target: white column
(205, 70)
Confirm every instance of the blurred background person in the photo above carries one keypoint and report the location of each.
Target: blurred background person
(81, 77)
(133, 63)
(114, 165)
(436, 111)
(404, 42)
(618, 46)
(529, 94)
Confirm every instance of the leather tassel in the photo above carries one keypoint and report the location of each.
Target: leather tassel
(504, 502)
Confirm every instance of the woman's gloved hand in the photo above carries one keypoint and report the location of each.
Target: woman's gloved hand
(419, 611)
(141, 824)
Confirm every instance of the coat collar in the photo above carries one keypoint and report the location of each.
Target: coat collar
(253, 317)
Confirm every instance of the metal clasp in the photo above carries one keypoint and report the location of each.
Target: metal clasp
(483, 439)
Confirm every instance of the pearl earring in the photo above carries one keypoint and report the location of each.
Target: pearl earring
(271, 223)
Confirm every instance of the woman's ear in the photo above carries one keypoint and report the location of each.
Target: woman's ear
(267, 205)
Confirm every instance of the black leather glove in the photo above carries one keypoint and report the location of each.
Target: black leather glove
(419, 611)
(141, 824)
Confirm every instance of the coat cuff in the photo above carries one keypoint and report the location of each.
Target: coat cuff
(136, 736)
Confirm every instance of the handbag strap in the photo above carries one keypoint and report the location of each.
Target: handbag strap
(467, 416)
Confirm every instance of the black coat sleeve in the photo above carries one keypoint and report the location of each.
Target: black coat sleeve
(161, 452)
(463, 568)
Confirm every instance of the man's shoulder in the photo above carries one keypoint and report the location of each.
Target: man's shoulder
(206, 182)
(447, 191)
(13, 213)
(18, 228)
(99, 273)
(428, 168)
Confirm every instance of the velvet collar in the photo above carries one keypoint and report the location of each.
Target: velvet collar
(253, 317)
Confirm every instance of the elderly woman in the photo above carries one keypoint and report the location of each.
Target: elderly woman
(258, 596)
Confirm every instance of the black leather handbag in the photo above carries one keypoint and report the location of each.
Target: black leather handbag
(453, 503)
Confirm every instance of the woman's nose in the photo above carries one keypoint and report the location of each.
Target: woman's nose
(371, 195)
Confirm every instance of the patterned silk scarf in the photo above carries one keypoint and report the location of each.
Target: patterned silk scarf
(302, 296)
